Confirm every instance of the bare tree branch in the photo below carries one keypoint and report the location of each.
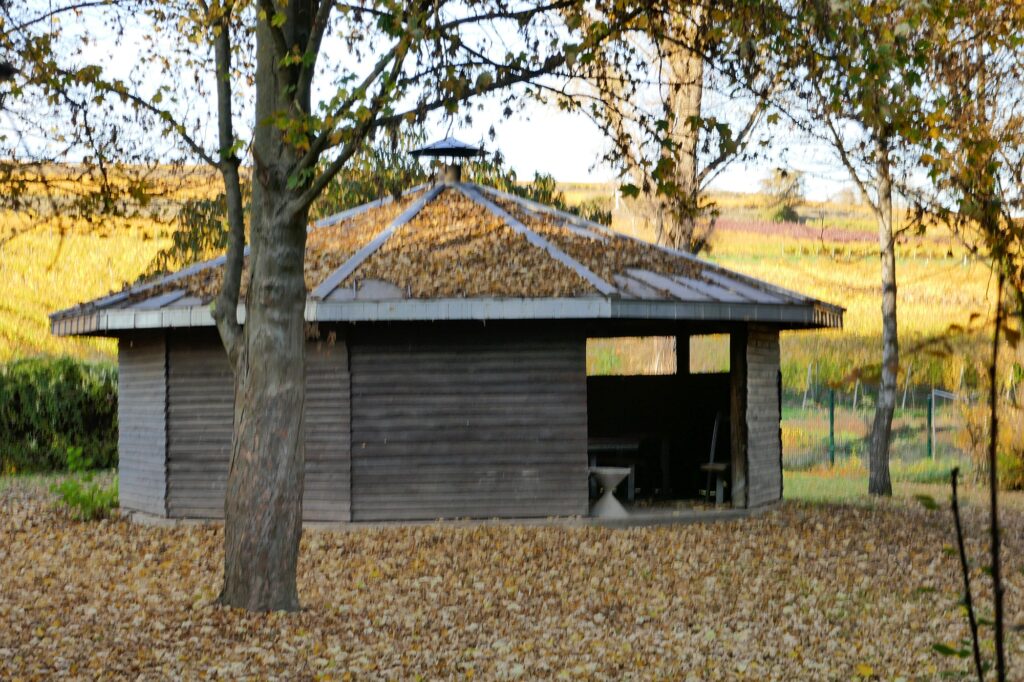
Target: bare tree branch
(322, 141)
(226, 305)
(312, 51)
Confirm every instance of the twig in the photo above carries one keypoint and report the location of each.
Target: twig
(968, 602)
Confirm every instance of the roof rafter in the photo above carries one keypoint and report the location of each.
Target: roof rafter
(683, 288)
(324, 289)
(119, 296)
(707, 266)
(362, 208)
(535, 239)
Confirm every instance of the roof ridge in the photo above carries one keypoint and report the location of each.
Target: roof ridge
(535, 239)
(195, 268)
(710, 265)
(362, 208)
(324, 289)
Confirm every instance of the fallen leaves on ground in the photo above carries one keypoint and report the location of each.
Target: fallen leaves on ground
(799, 593)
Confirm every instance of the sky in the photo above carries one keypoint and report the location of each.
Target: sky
(569, 147)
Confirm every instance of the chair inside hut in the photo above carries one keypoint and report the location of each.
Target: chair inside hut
(662, 411)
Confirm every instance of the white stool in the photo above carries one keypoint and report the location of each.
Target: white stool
(607, 506)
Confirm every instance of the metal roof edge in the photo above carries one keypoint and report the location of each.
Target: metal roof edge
(128, 319)
(459, 309)
(783, 314)
(580, 308)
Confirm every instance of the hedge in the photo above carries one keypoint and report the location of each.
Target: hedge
(48, 405)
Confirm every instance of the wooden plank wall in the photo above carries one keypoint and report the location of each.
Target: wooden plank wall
(486, 423)
(328, 432)
(201, 407)
(141, 414)
(764, 456)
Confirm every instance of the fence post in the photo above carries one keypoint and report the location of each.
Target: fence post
(832, 427)
(931, 424)
(807, 388)
(906, 385)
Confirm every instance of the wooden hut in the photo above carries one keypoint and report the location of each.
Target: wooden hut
(446, 367)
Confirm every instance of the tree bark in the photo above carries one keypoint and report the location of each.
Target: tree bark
(677, 225)
(881, 432)
(263, 505)
(993, 477)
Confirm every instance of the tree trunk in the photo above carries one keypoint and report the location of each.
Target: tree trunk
(686, 90)
(263, 505)
(878, 481)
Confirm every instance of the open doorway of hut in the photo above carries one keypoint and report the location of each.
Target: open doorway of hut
(653, 403)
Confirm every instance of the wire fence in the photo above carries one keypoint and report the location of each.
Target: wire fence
(822, 426)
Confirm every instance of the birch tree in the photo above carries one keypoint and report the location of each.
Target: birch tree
(857, 87)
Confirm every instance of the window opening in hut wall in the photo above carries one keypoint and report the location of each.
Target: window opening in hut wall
(631, 356)
(709, 354)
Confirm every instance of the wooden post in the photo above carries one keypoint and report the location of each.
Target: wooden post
(906, 385)
(931, 424)
(807, 388)
(832, 427)
(856, 388)
(738, 415)
(682, 354)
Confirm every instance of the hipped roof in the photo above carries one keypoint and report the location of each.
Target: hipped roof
(463, 251)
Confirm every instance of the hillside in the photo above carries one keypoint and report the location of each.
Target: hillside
(832, 255)
(52, 266)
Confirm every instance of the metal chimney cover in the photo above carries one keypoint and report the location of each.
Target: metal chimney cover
(449, 147)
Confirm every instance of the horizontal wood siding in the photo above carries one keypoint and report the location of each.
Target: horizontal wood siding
(141, 415)
(764, 456)
(200, 395)
(201, 407)
(483, 424)
(328, 432)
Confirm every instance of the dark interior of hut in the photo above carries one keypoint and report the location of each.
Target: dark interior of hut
(662, 428)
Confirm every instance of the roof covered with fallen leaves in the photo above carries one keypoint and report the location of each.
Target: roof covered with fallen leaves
(457, 250)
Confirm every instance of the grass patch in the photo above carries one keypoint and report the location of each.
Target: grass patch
(32, 481)
(41, 483)
(847, 481)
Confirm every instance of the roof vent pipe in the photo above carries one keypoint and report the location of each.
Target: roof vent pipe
(450, 173)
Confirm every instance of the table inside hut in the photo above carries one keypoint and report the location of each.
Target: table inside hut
(646, 455)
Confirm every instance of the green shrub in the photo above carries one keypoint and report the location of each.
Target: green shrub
(1011, 470)
(85, 498)
(598, 210)
(785, 214)
(48, 405)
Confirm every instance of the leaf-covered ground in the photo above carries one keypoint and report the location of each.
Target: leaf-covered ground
(800, 593)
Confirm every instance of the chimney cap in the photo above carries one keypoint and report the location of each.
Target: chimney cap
(449, 147)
